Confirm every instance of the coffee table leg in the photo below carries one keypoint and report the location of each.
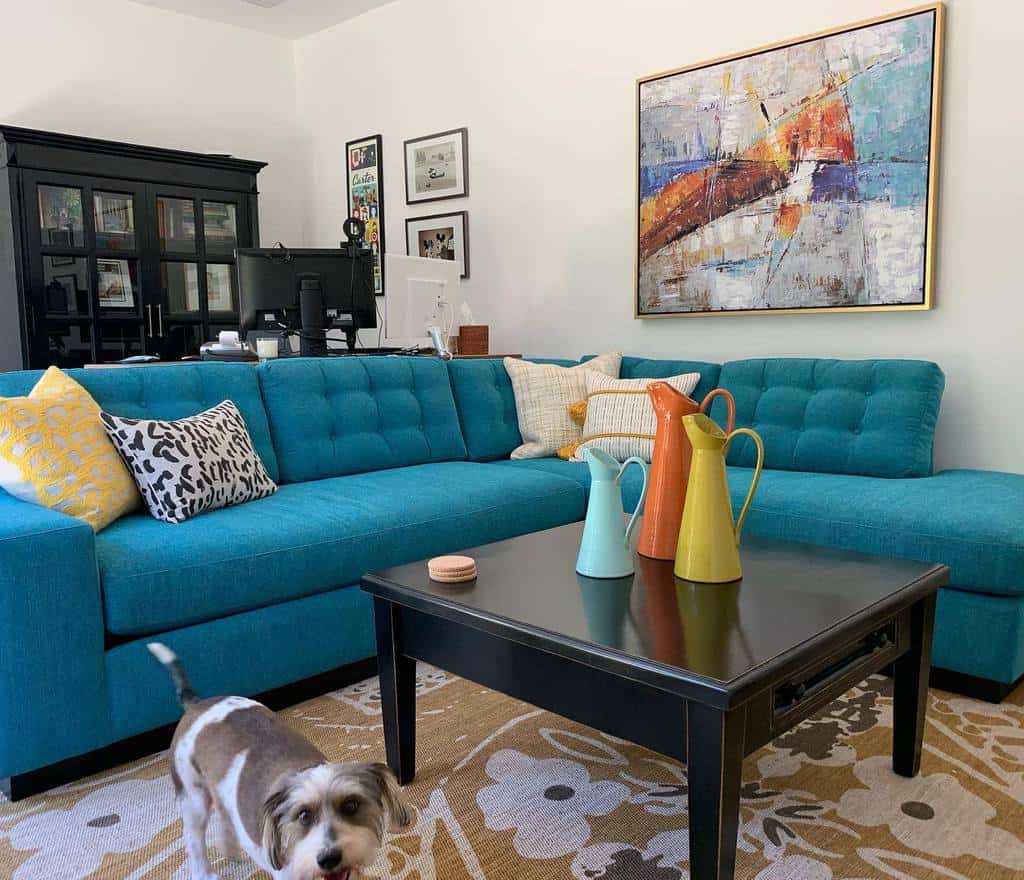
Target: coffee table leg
(397, 693)
(714, 762)
(910, 690)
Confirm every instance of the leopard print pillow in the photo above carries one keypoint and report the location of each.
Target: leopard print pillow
(191, 465)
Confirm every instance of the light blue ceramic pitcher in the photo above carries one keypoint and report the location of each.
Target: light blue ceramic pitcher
(604, 550)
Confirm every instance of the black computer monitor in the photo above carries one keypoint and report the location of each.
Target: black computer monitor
(336, 283)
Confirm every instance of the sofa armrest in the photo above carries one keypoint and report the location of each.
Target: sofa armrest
(52, 689)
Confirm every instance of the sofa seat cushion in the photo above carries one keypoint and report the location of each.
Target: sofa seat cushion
(315, 536)
(970, 520)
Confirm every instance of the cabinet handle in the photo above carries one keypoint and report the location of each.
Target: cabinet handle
(160, 318)
(149, 316)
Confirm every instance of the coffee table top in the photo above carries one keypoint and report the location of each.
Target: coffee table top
(655, 627)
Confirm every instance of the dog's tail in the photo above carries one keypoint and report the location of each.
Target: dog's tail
(186, 696)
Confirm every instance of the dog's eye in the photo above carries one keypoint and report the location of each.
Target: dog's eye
(350, 807)
(305, 818)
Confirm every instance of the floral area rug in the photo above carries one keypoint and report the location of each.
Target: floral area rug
(505, 791)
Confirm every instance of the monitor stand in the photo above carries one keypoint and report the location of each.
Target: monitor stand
(314, 327)
(347, 326)
(312, 338)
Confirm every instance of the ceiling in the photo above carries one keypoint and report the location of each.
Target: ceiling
(285, 18)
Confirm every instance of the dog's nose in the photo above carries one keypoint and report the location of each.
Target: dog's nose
(329, 859)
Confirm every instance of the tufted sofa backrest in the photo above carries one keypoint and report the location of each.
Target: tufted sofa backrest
(335, 416)
(872, 418)
(487, 405)
(174, 391)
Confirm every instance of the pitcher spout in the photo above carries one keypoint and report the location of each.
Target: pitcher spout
(602, 465)
(665, 398)
(704, 433)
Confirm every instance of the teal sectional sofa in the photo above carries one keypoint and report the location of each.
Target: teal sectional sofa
(386, 460)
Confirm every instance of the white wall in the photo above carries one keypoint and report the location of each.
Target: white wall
(547, 92)
(118, 70)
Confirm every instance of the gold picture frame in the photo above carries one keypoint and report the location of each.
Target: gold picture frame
(930, 211)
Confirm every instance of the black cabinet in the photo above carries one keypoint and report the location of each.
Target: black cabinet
(109, 250)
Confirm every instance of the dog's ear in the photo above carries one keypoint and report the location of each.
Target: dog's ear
(391, 794)
(272, 844)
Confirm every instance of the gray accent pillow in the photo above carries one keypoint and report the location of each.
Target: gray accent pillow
(188, 466)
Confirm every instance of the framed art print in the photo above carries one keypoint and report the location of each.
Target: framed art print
(365, 197)
(218, 288)
(437, 166)
(440, 237)
(798, 177)
(114, 284)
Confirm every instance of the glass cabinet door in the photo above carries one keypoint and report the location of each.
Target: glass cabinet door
(179, 338)
(67, 287)
(179, 282)
(220, 288)
(176, 225)
(61, 219)
(118, 340)
(85, 289)
(68, 343)
(197, 234)
(220, 228)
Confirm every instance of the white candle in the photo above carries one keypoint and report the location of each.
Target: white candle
(266, 348)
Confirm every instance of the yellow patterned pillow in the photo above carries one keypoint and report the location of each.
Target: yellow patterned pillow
(55, 452)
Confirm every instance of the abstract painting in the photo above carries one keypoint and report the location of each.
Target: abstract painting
(798, 177)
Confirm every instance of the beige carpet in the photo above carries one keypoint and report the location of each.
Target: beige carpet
(507, 791)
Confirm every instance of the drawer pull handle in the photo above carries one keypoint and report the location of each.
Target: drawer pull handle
(880, 641)
(788, 695)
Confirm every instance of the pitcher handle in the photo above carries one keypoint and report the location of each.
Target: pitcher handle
(643, 491)
(757, 473)
(730, 404)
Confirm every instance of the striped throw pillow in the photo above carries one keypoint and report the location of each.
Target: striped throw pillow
(620, 417)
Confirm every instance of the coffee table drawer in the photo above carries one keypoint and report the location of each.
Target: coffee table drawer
(814, 685)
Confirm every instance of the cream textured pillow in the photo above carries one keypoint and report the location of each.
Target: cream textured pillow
(543, 394)
(55, 453)
(618, 407)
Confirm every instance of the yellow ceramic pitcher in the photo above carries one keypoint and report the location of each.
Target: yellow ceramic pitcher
(708, 547)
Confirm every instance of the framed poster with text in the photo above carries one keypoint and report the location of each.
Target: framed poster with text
(366, 198)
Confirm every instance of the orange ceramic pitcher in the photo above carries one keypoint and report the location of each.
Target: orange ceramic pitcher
(670, 467)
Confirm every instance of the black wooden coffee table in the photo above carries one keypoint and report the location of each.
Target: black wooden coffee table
(702, 673)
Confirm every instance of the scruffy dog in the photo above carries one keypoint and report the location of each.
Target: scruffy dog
(279, 801)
